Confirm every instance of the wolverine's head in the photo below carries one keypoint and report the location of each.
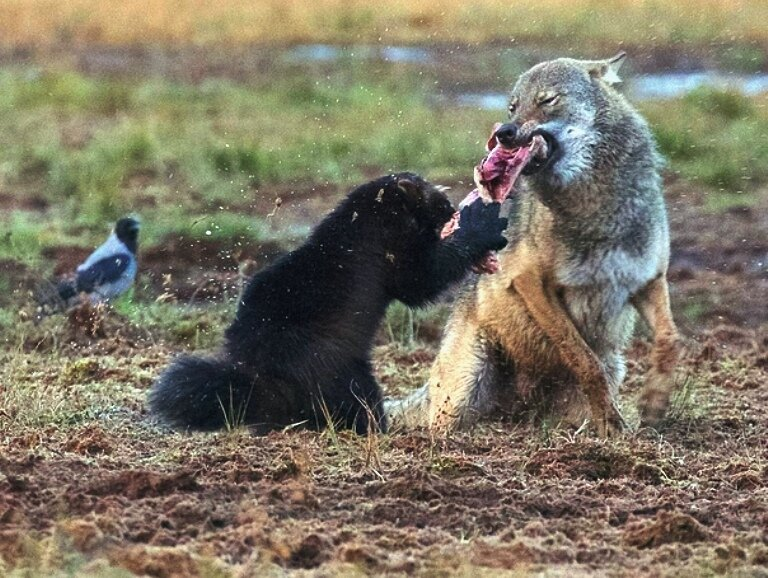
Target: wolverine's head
(399, 206)
(560, 100)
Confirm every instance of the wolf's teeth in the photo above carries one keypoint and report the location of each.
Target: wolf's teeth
(539, 148)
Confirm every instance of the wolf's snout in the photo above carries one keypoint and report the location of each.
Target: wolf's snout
(546, 151)
(506, 135)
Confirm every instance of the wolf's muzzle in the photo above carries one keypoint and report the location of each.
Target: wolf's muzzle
(511, 136)
(506, 135)
(553, 153)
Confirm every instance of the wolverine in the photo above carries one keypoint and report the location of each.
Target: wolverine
(589, 250)
(298, 349)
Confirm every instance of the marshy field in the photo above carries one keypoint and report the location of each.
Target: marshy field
(230, 129)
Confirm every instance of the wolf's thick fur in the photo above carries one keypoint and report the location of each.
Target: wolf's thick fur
(298, 350)
(590, 248)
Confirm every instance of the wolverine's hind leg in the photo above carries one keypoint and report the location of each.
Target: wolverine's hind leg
(352, 400)
(464, 379)
(653, 304)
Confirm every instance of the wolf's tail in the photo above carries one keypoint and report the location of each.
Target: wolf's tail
(202, 393)
(408, 412)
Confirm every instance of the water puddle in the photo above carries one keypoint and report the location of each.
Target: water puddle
(647, 87)
(674, 84)
(328, 53)
(484, 100)
(314, 53)
(655, 86)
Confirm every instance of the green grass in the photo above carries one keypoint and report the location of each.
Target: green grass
(96, 148)
(715, 138)
(23, 238)
(99, 148)
(408, 327)
(188, 158)
(67, 394)
(179, 324)
(224, 226)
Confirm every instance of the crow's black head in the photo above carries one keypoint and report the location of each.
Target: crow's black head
(127, 230)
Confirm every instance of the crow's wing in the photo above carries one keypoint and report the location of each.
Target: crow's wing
(103, 271)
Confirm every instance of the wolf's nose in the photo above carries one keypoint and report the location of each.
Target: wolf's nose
(506, 134)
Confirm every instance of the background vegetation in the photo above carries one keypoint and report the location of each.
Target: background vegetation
(92, 149)
(558, 22)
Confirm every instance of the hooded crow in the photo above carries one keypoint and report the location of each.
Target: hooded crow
(110, 270)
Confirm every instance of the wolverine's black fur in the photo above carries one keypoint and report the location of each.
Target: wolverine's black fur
(299, 348)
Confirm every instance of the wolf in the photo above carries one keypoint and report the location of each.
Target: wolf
(589, 251)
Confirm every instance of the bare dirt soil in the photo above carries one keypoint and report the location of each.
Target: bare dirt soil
(111, 489)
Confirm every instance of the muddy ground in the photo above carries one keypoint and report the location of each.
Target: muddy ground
(102, 489)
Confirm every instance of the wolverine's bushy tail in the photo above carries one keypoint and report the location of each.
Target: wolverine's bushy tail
(202, 394)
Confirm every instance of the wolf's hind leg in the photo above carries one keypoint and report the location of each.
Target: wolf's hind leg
(464, 379)
(653, 304)
(408, 412)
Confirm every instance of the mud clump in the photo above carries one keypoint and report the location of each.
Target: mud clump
(417, 486)
(365, 556)
(137, 484)
(160, 562)
(591, 461)
(84, 535)
(311, 552)
(11, 546)
(87, 320)
(517, 554)
(666, 528)
(81, 370)
(90, 441)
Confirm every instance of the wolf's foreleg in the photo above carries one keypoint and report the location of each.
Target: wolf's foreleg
(547, 311)
(463, 379)
(408, 412)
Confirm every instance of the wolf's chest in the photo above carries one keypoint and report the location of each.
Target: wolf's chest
(595, 291)
(600, 265)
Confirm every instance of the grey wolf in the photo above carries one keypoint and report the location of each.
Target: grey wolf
(588, 251)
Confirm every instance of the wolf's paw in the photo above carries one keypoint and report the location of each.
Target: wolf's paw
(611, 424)
(653, 405)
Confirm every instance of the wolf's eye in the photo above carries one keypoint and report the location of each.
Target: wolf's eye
(512, 108)
(550, 100)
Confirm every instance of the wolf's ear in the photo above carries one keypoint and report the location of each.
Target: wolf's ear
(607, 70)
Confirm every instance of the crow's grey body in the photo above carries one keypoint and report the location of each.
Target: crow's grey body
(110, 270)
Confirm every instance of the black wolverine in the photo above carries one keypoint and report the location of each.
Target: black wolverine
(299, 348)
